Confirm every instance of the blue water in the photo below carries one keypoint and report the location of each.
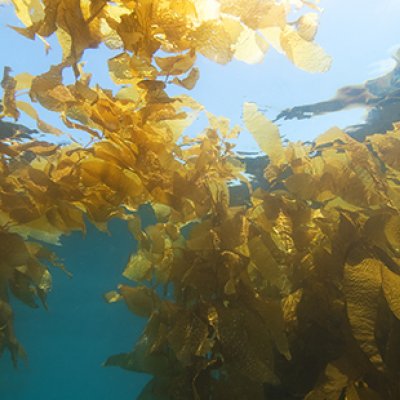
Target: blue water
(67, 344)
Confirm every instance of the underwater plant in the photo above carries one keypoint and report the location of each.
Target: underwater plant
(293, 294)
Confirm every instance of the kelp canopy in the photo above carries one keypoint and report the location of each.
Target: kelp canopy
(293, 295)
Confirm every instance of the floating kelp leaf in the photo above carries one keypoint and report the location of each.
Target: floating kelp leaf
(265, 133)
(362, 288)
(112, 14)
(125, 182)
(29, 12)
(24, 81)
(162, 212)
(222, 125)
(39, 148)
(24, 214)
(34, 226)
(155, 93)
(112, 296)
(307, 26)
(313, 4)
(304, 54)
(176, 65)
(120, 68)
(48, 90)
(157, 241)
(117, 151)
(72, 216)
(84, 92)
(66, 218)
(190, 81)
(40, 252)
(39, 276)
(255, 13)
(65, 18)
(9, 85)
(130, 93)
(65, 40)
(213, 40)
(391, 289)
(135, 227)
(177, 127)
(45, 282)
(138, 267)
(141, 300)
(250, 47)
(125, 68)
(28, 109)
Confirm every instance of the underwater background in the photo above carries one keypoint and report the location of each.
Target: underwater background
(299, 209)
(69, 342)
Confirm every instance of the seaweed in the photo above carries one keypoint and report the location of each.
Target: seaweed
(292, 293)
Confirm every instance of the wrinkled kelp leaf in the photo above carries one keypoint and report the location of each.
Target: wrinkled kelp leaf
(140, 300)
(264, 132)
(303, 53)
(362, 287)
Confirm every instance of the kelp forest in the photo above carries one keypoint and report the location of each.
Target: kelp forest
(291, 291)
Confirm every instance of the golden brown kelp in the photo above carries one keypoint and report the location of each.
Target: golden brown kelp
(300, 290)
(348, 228)
(29, 209)
(295, 294)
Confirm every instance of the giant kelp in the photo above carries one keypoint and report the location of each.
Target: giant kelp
(306, 276)
(293, 294)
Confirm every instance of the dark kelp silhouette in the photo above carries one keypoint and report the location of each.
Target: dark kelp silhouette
(380, 96)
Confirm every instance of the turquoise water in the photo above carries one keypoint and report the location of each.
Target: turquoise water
(67, 344)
